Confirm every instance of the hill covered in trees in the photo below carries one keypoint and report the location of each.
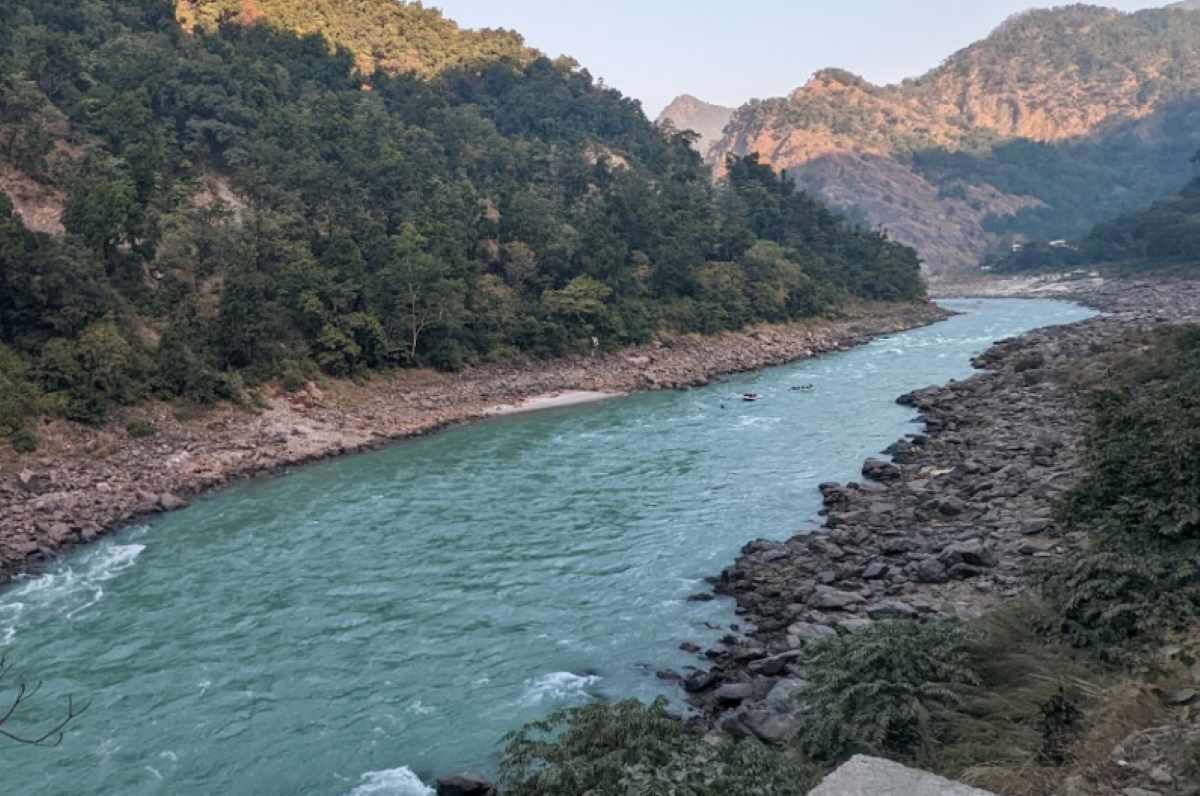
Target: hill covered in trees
(235, 202)
(1059, 119)
(1162, 237)
(397, 37)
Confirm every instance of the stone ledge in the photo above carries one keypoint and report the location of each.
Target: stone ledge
(872, 776)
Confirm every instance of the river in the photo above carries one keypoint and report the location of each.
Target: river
(360, 622)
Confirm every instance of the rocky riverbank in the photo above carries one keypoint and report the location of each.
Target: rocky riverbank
(950, 522)
(84, 482)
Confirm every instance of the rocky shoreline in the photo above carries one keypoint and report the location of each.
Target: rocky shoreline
(955, 522)
(85, 482)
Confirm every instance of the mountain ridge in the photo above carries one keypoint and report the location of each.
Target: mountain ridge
(1053, 79)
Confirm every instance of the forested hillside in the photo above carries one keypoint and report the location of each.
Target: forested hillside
(1060, 119)
(392, 37)
(236, 203)
(1164, 236)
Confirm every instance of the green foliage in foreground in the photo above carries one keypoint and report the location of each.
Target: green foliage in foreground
(1109, 597)
(632, 748)
(889, 690)
(1143, 450)
(1140, 500)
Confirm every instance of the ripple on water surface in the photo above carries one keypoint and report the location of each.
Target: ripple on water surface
(362, 624)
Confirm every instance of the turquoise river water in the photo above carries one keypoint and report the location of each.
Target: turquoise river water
(364, 624)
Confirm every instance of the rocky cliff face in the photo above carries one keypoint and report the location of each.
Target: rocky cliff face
(973, 154)
(688, 113)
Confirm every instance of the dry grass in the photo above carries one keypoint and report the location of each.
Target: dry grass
(999, 739)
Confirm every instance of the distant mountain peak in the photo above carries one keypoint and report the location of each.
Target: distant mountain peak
(687, 112)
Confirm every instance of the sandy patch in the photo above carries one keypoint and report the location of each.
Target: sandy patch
(552, 401)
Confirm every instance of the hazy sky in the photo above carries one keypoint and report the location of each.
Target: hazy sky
(727, 53)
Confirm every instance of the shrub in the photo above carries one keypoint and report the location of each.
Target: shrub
(633, 748)
(23, 440)
(20, 399)
(1143, 449)
(1108, 598)
(141, 429)
(1021, 710)
(889, 690)
(294, 376)
(92, 373)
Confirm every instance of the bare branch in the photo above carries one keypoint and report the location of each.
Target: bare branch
(49, 738)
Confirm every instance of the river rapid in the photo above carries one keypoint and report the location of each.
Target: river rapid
(364, 624)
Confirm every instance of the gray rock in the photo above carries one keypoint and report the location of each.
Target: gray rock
(774, 665)
(897, 546)
(871, 776)
(930, 570)
(876, 571)
(951, 506)
(465, 785)
(696, 682)
(169, 502)
(773, 728)
(972, 552)
(734, 693)
(965, 572)
(785, 693)
(829, 599)
(807, 632)
(878, 470)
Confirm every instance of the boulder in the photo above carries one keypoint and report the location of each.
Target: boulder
(897, 546)
(951, 507)
(930, 570)
(465, 785)
(775, 665)
(696, 682)
(773, 728)
(879, 470)
(829, 599)
(734, 693)
(973, 553)
(872, 776)
(785, 693)
(807, 632)
(876, 571)
(169, 502)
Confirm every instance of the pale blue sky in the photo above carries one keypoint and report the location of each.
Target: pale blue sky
(726, 53)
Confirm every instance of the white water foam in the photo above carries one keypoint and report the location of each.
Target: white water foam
(68, 590)
(558, 686)
(419, 708)
(392, 782)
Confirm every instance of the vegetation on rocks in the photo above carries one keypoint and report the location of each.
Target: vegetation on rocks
(1070, 685)
(244, 202)
(1140, 501)
(630, 747)
(889, 690)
